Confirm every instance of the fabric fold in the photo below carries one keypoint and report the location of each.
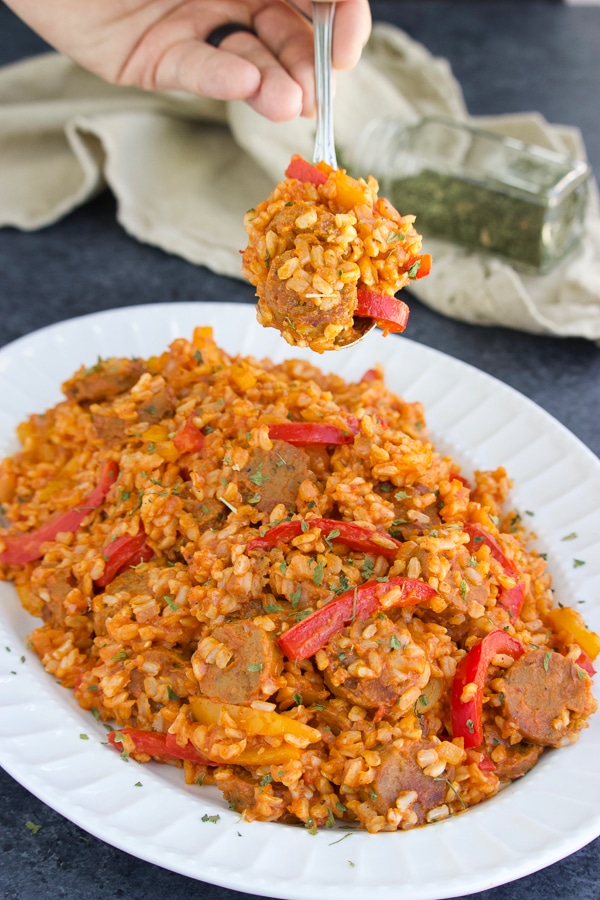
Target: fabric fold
(185, 169)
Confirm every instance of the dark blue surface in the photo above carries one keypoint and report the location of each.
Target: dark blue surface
(508, 56)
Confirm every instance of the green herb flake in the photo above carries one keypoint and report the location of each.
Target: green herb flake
(412, 272)
(266, 779)
(569, 537)
(125, 495)
(258, 478)
(295, 597)
(350, 863)
(120, 656)
(547, 656)
(254, 499)
(297, 698)
(318, 574)
(171, 693)
(32, 826)
(283, 567)
(138, 784)
(470, 726)
(373, 794)
(303, 614)
(170, 602)
(83, 737)
(272, 608)
(95, 713)
(93, 687)
(395, 643)
(330, 819)
(580, 674)
(463, 588)
(401, 495)
(304, 526)
(578, 562)
(255, 667)
(198, 357)
(213, 819)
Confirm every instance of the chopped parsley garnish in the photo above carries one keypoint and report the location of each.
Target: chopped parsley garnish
(258, 478)
(470, 726)
(295, 597)
(547, 656)
(272, 608)
(255, 667)
(170, 602)
(213, 819)
(83, 737)
(297, 698)
(121, 655)
(569, 537)
(138, 784)
(171, 693)
(266, 779)
(412, 272)
(318, 574)
(32, 826)
(578, 562)
(463, 588)
(198, 357)
(395, 642)
(401, 495)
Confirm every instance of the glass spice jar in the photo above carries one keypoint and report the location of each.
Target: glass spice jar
(479, 189)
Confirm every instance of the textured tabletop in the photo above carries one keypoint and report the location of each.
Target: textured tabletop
(508, 56)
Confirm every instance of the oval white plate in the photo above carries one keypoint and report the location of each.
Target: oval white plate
(552, 812)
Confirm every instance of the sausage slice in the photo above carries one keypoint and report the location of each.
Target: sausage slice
(538, 689)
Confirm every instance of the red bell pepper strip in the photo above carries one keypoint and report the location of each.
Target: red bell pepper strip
(389, 313)
(122, 553)
(189, 439)
(422, 269)
(155, 744)
(585, 663)
(472, 669)
(305, 434)
(355, 536)
(24, 548)
(487, 765)
(511, 599)
(454, 476)
(303, 171)
(311, 634)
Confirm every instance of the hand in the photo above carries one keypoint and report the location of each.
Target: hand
(160, 45)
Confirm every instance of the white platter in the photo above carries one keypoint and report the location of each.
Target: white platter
(549, 814)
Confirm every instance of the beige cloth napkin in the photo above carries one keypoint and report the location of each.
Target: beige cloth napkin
(185, 169)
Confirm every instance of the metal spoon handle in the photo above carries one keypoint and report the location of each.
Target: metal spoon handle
(322, 15)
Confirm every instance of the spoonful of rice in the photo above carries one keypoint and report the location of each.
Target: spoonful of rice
(325, 252)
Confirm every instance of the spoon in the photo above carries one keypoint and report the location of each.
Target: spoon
(322, 16)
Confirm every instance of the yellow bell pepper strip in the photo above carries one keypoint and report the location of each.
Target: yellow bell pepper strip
(303, 171)
(24, 548)
(123, 552)
(390, 313)
(156, 744)
(252, 721)
(354, 536)
(306, 434)
(189, 439)
(564, 618)
(311, 634)
(510, 599)
(467, 714)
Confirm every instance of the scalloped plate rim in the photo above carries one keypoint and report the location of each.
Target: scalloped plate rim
(242, 880)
